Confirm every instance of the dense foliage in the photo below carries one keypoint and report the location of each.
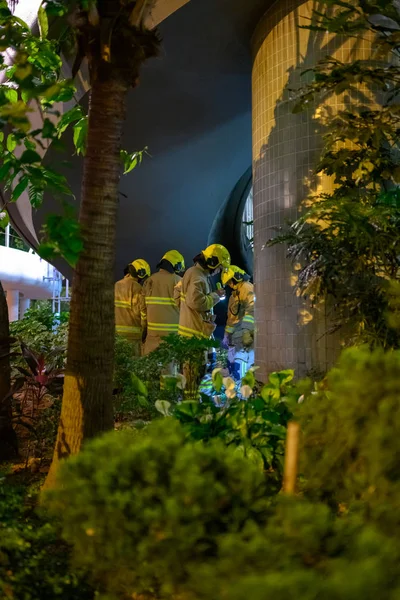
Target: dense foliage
(351, 448)
(346, 243)
(254, 424)
(169, 505)
(140, 383)
(34, 561)
(43, 331)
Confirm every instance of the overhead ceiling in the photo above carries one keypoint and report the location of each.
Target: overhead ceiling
(193, 111)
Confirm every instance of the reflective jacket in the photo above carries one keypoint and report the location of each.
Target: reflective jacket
(196, 304)
(161, 311)
(128, 302)
(241, 309)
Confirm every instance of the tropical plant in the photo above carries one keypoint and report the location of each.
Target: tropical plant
(252, 419)
(43, 332)
(345, 244)
(35, 395)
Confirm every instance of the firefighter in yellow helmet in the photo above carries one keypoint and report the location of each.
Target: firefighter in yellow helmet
(196, 296)
(162, 313)
(197, 301)
(239, 330)
(129, 314)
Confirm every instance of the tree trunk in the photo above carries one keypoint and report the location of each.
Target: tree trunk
(8, 438)
(87, 400)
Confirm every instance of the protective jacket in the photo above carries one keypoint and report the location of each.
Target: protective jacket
(240, 320)
(128, 302)
(161, 311)
(196, 304)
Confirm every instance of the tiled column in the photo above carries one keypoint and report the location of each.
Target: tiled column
(285, 150)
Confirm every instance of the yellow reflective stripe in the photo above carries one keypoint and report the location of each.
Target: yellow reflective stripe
(248, 319)
(188, 332)
(127, 329)
(162, 326)
(183, 297)
(160, 301)
(122, 304)
(229, 329)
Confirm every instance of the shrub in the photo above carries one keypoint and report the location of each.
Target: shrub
(351, 442)
(255, 427)
(41, 331)
(34, 561)
(143, 510)
(137, 380)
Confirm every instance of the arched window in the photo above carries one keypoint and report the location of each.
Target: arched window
(248, 219)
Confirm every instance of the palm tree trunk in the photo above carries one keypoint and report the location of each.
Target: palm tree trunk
(87, 400)
(8, 438)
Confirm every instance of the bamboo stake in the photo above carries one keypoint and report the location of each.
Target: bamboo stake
(291, 458)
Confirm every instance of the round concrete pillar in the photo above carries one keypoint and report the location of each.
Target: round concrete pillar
(286, 147)
(24, 304)
(13, 305)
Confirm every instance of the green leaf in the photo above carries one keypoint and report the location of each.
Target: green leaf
(5, 169)
(253, 454)
(189, 408)
(80, 135)
(138, 385)
(4, 219)
(49, 130)
(11, 95)
(279, 378)
(20, 188)
(270, 392)
(249, 379)
(11, 142)
(74, 114)
(130, 161)
(43, 23)
(217, 380)
(30, 157)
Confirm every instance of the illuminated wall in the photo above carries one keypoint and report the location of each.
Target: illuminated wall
(285, 149)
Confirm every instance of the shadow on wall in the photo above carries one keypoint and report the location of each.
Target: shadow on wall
(282, 178)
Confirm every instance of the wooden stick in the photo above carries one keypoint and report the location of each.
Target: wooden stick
(291, 458)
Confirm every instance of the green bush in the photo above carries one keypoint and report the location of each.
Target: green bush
(137, 380)
(351, 441)
(39, 329)
(34, 561)
(143, 510)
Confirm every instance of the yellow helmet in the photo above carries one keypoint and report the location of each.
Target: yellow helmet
(141, 269)
(217, 255)
(233, 273)
(176, 259)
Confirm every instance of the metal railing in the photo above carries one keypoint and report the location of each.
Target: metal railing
(10, 239)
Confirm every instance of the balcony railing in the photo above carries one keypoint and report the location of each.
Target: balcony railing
(10, 239)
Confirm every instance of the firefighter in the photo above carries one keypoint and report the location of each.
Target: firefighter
(162, 313)
(239, 330)
(197, 301)
(129, 317)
